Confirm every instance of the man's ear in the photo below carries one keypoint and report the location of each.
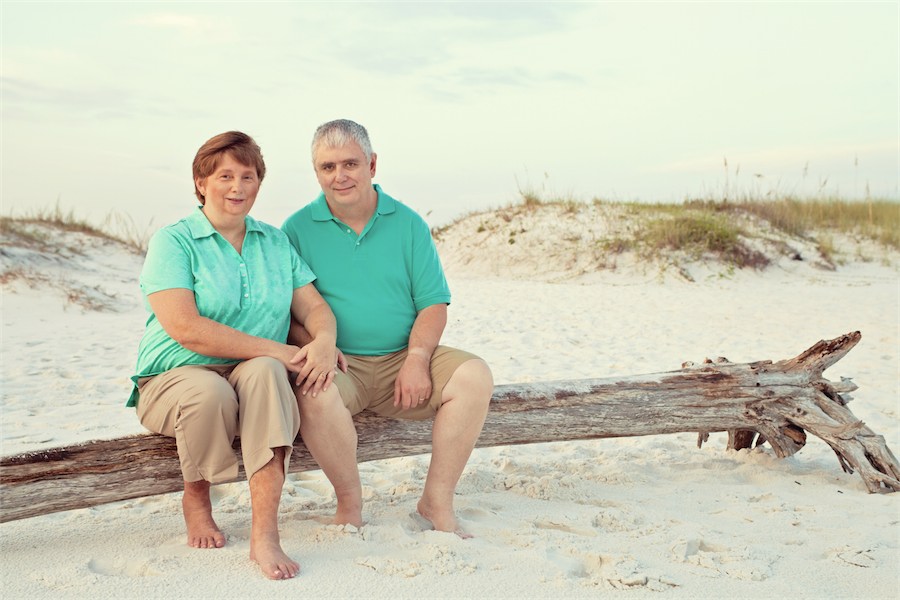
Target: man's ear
(372, 164)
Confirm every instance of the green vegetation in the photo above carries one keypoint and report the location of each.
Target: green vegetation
(699, 234)
(725, 228)
(878, 220)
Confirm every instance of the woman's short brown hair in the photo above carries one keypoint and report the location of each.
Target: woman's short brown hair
(239, 145)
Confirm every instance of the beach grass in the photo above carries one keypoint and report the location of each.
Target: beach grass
(115, 227)
(712, 224)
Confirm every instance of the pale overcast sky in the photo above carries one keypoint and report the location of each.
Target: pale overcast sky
(105, 103)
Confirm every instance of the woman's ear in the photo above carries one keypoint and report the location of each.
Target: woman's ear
(200, 183)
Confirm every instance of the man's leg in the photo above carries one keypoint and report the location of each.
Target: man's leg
(457, 425)
(327, 429)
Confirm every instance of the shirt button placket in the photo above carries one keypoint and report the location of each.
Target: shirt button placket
(244, 282)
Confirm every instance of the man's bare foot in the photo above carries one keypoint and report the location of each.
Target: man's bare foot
(441, 519)
(349, 506)
(202, 531)
(344, 516)
(275, 564)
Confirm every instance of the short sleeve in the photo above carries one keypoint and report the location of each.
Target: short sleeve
(167, 264)
(429, 285)
(302, 274)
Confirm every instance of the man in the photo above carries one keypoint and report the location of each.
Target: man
(377, 267)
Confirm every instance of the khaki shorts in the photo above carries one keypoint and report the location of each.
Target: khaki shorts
(368, 383)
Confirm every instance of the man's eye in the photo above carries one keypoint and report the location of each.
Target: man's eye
(351, 165)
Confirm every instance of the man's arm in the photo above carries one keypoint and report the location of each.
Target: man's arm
(413, 384)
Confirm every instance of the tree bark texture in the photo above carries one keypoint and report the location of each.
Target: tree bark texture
(755, 402)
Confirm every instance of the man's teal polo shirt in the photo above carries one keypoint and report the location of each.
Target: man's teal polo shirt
(375, 282)
(250, 292)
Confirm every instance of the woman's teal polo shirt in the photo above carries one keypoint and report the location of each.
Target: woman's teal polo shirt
(250, 292)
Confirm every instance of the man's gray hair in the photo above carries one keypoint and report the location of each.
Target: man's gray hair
(341, 132)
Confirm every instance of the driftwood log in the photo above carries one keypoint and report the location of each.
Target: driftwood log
(761, 401)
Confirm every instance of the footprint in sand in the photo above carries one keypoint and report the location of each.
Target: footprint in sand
(120, 567)
(477, 514)
(564, 527)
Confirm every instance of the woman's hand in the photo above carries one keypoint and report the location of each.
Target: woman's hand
(316, 364)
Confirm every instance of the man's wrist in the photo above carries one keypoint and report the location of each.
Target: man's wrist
(420, 352)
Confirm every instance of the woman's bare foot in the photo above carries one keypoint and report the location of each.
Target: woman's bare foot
(265, 544)
(441, 519)
(202, 531)
(275, 564)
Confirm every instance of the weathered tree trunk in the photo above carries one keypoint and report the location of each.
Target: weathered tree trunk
(773, 402)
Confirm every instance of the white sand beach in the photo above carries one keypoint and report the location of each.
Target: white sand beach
(646, 517)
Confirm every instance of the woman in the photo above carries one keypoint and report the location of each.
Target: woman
(213, 363)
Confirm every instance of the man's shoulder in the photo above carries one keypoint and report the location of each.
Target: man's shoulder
(400, 209)
(301, 217)
(302, 213)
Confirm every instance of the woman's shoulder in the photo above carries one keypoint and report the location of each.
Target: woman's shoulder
(171, 232)
(266, 229)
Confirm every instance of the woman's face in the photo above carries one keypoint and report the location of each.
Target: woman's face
(231, 189)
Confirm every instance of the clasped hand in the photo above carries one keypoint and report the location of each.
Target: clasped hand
(315, 365)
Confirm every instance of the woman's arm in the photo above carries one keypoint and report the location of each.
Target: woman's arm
(177, 312)
(318, 358)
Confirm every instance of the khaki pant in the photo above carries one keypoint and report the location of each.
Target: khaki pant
(205, 407)
(368, 383)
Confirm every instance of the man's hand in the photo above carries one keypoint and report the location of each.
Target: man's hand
(413, 384)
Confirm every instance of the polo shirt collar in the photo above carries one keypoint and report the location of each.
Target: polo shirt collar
(320, 211)
(386, 204)
(200, 226)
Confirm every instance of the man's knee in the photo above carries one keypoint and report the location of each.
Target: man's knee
(323, 404)
(472, 379)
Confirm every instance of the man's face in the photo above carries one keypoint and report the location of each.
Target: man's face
(344, 174)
